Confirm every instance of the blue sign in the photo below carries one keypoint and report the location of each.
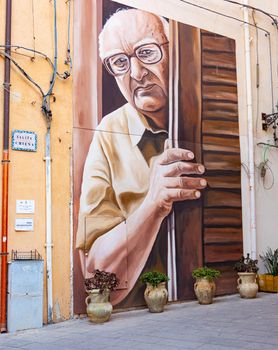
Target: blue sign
(24, 140)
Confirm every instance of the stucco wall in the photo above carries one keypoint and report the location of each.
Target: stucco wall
(27, 169)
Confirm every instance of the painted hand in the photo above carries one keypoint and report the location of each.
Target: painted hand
(168, 183)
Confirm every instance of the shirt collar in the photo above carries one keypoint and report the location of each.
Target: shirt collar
(137, 124)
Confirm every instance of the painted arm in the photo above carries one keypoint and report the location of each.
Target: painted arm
(136, 237)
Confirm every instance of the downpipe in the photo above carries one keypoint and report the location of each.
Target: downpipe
(251, 165)
(48, 243)
(5, 171)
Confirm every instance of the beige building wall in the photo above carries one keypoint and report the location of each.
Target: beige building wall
(27, 169)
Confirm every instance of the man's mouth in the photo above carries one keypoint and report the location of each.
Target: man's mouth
(145, 87)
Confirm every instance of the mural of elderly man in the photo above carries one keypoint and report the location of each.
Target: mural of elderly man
(131, 178)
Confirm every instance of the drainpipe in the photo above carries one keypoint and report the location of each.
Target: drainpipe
(5, 171)
(48, 243)
(253, 233)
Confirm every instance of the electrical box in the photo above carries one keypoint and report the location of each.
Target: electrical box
(25, 294)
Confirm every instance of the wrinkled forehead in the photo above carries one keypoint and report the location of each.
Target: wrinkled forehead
(125, 31)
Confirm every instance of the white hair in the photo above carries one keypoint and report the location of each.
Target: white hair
(119, 13)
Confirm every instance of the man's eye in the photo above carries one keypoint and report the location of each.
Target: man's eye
(149, 54)
(120, 62)
(146, 52)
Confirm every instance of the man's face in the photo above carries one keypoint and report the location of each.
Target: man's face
(145, 86)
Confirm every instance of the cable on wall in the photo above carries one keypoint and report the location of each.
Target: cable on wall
(15, 49)
(257, 72)
(224, 15)
(267, 33)
(265, 169)
(68, 60)
(46, 98)
(22, 71)
(275, 22)
(33, 25)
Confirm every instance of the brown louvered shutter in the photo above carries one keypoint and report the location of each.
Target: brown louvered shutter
(222, 221)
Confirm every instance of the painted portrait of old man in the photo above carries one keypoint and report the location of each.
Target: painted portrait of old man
(156, 174)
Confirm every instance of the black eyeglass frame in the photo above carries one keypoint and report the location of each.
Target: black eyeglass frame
(109, 69)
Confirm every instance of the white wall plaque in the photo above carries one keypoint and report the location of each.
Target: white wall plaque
(24, 224)
(24, 140)
(25, 206)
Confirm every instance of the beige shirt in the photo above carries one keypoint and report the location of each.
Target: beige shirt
(116, 172)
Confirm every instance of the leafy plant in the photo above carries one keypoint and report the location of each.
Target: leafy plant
(205, 272)
(246, 264)
(270, 260)
(101, 280)
(154, 278)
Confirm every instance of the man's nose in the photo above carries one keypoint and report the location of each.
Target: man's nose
(137, 69)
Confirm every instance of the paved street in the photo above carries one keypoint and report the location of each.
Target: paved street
(228, 324)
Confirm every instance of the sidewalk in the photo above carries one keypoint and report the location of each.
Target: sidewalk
(229, 323)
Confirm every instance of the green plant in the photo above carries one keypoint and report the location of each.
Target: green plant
(246, 264)
(270, 260)
(101, 280)
(205, 272)
(154, 278)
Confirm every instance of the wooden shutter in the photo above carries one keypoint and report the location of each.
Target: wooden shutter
(222, 222)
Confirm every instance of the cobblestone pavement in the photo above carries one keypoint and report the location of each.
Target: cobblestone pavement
(229, 323)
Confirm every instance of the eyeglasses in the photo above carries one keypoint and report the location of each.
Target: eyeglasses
(119, 63)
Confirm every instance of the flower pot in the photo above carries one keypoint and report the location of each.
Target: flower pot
(99, 308)
(268, 283)
(156, 297)
(246, 284)
(204, 290)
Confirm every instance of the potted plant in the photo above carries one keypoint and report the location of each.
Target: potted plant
(204, 286)
(155, 293)
(247, 272)
(98, 287)
(269, 282)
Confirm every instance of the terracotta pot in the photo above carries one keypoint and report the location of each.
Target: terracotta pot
(246, 284)
(204, 290)
(156, 297)
(99, 308)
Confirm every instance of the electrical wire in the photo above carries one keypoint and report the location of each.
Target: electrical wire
(266, 144)
(255, 9)
(257, 72)
(223, 15)
(68, 60)
(26, 75)
(266, 150)
(246, 169)
(264, 166)
(272, 178)
(16, 96)
(45, 96)
(271, 75)
(275, 22)
(46, 100)
(33, 23)
(273, 15)
(250, 24)
(15, 48)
